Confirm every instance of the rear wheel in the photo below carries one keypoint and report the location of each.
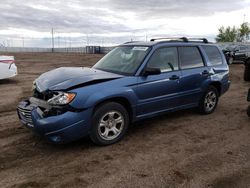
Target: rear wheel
(109, 123)
(209, 101)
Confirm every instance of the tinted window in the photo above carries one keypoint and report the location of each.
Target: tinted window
(213, 54)
(190, 57)
(165, 59)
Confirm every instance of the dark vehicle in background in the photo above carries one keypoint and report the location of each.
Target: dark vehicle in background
(228, 55)
(136, 80)
(247, 70)
(248, 99)
(237, 54)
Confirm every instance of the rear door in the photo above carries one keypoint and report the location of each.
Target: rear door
(193, 74)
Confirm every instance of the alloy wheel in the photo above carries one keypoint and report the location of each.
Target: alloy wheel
(111, 125)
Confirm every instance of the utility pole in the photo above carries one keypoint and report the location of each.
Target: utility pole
(52, 39)
(58, 41)
(87, 39)
(69, 41)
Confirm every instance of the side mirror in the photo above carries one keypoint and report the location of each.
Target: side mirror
(151, 71)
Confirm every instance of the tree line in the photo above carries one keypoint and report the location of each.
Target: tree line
(234, 34)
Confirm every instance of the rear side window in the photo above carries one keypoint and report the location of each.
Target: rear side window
(213, 55)
(190, 57)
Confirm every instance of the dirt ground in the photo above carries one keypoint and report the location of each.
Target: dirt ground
(181, 149)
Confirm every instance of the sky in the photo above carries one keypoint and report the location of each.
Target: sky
(28, 23)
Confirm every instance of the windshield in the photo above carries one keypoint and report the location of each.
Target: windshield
(123, 60)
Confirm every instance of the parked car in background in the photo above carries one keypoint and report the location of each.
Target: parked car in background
(247, 70)
(239, 53)
(248, 99)
(136, 80)
(228, 52)
(8, 68)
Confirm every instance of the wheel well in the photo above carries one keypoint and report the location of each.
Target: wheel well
(121, 100)
(217, 85)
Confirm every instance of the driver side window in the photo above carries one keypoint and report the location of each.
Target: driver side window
(166, 59)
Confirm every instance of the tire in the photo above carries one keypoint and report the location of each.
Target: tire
(248, 111)
(247, 74)
(109, 124)
(209, 101)
(247, 70)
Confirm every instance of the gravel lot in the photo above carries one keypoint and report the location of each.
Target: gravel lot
(181, 149)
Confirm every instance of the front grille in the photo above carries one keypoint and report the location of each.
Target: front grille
(25, 115)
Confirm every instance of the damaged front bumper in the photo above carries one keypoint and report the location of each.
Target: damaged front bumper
(57, 124)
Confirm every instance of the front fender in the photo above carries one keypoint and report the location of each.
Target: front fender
(90, 98)
(125, 93)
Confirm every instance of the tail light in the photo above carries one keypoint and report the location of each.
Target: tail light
(7, 61)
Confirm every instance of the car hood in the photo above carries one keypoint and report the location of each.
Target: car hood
(70, 77)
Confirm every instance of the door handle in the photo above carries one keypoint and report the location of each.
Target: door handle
(205, 73)
(174, 77)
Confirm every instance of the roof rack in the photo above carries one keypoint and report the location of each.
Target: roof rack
(204, 40)
(184, 39)
(131, 42)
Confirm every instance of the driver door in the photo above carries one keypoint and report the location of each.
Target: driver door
(158, 93)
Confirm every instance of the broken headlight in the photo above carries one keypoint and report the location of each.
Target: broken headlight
(61, 98)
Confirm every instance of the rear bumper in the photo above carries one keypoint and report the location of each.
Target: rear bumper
(63, 128)
(11, 71)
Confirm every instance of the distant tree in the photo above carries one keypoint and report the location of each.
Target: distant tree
(228, 34)
(243, 32)
(233, 34)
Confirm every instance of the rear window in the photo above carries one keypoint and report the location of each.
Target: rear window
(213, 55)
(190, 57)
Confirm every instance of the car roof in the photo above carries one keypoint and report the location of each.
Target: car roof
(170, 41)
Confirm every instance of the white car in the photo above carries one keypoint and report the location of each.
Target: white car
(8, 68)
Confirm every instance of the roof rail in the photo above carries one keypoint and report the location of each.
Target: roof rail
(204, 40)
(131, 42)
(184, 39)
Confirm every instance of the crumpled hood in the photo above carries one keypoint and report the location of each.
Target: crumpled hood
(68, 77)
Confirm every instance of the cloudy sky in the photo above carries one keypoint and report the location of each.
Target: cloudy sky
(106, 22)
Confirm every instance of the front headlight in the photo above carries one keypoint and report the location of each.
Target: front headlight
(61, 98)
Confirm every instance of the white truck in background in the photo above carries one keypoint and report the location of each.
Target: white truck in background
(8, 68)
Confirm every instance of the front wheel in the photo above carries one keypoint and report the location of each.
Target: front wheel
(209, 101)
(109, 123)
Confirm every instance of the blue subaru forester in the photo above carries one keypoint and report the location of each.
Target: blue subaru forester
(136, 80)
